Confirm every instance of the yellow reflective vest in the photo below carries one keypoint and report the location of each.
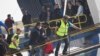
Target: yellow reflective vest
(15, 36)
(63, 29)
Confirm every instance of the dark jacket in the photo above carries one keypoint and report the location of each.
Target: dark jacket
(48, 32)
(36, 37)
(43, 16)
(26, 19)
(56, 14)
(9, 22)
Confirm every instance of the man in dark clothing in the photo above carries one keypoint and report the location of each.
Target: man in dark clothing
(36, 38)
(26, 20)
(9, 22)
(56, 14)
(43, 14)
(69, 11)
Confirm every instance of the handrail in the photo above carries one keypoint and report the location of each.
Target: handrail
(76, 33)
(79, 22)
(56, 20)
(61, 38)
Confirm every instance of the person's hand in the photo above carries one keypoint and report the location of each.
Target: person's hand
(75, 17)
(68, 16)
(55, 36)
(43, 34)
(80, 28)
(30, 47)
(18, 48)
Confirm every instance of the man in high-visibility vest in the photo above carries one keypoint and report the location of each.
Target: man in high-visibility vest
(62, 31)
(15, 43)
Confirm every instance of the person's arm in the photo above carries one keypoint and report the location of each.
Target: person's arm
(80, 10)
(14, 41)
(58, 24)
(68, 16)
(31, 19)
(23, 19)
(12, 20)
(2, 24)
(74, 26)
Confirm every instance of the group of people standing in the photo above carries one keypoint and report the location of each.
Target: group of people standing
(41, 33)
(9, 43)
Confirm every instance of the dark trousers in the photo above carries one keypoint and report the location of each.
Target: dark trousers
(14, 51)
(58, 46)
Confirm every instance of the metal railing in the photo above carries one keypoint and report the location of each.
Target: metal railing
(57, 20)
(71, 35)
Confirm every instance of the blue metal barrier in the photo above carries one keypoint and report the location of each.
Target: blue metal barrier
(91, 36)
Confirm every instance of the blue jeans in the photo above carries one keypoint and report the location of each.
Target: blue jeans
(11, 31)
(26, 30)
(36, 52)
(58, 46)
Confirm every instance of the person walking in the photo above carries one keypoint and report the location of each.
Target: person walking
(62, 32)
(36, 38)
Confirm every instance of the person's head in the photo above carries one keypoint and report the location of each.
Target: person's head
(9, 15)
(18, 31)
(78, 3)
(73, 2)
(48, 8)
(38, 25)
(65, 19)
(69, 4)
(25, 12)
(43, 8)
(56, 6)
(45, 25)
